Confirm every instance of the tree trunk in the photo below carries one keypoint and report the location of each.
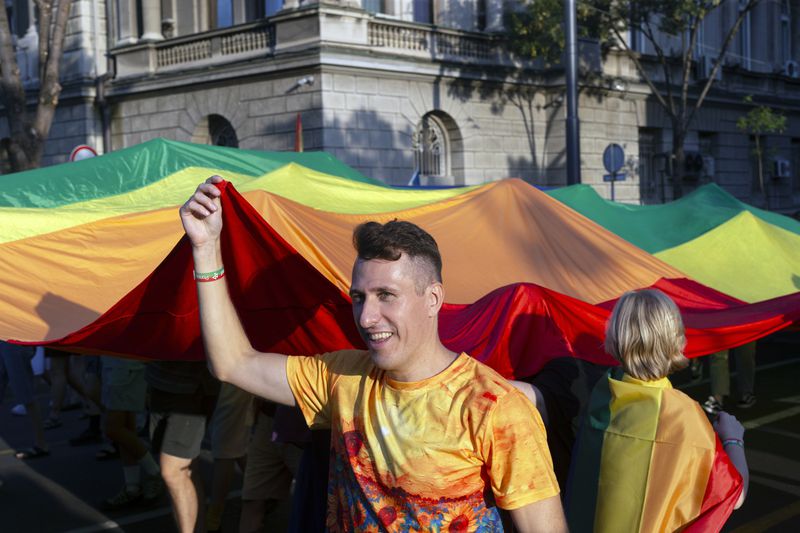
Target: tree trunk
(760, 166)
(678, 162)
(25, 144)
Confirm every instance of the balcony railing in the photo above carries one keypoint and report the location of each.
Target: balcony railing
(242, 42)
(433, 43)
(289, 33)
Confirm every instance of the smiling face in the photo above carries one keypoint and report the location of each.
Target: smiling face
(396, 314)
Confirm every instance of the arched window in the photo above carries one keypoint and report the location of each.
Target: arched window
(431, 147)
(215, 130)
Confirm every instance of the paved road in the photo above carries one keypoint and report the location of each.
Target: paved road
(61, 493)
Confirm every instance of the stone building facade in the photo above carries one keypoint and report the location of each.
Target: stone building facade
(399, 88)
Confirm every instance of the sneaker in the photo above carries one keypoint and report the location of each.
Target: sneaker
(19, 410)
(747, 401)
(122, 500)
(152, 488)
(712, 406)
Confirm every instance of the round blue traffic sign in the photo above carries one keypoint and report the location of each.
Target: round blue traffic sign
(613, 158)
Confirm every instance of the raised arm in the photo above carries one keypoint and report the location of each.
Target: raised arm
(231, 357)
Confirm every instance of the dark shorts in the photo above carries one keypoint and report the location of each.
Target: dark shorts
(178, 422)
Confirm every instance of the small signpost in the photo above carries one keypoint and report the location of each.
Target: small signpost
(81, 152)
(613, 160)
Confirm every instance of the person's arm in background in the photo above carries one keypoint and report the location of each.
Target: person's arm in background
(535, 396)
(730, 429)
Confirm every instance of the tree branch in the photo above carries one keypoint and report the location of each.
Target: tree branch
(722, 52)
(633, 57)
(45, 24)
(647, 31)
(50, 89)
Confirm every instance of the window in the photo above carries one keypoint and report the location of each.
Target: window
(221, 13)
(743, 48)
(786, 32)
(430, 147)
(221, 132)
(215, 130)
(272, 6)
(423, 11)
(650, 186)
(374, 6)
(708, 142)
(480, 14)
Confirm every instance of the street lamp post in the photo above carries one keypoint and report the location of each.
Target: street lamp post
(571, 68)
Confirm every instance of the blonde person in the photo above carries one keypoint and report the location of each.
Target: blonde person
(647, 458)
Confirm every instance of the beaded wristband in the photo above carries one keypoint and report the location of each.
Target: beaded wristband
(737, 442)
(203, 277)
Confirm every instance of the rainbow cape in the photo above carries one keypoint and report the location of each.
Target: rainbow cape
(647, 459)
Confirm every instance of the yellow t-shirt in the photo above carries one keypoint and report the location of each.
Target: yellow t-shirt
(432, 455)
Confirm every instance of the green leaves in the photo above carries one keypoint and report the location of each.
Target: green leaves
(761, 120)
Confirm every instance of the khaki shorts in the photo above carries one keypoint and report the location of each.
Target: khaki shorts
(124, 388)
(271, 466)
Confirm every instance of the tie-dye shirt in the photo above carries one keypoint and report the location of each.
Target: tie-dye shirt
(433, 455)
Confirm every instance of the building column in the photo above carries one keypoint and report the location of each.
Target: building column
(151, 20)
(127, 23)
(494, 15)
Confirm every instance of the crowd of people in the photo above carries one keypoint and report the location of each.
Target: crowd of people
(405, 435)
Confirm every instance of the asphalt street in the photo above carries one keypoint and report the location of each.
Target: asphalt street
(62, 492)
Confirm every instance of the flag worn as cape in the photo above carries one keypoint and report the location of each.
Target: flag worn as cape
(647, 459)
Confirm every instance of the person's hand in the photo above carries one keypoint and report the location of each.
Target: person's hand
(727, 427)
(201, 215)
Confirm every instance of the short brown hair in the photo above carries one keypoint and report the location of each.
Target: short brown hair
(645, 334)
(390, 241)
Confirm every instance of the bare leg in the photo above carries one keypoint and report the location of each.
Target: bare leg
(121, 429)
(58, 384)
(35, 417)
(186, 492)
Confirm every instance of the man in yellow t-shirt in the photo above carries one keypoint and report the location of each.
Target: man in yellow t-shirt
(423, 438)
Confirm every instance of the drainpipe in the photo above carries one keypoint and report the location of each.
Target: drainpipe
(105, 110)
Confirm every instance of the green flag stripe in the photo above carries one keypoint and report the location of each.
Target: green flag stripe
(144, 164)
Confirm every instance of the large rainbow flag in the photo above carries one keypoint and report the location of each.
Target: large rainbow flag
(738, 249)
(647, 459)
(99, 264)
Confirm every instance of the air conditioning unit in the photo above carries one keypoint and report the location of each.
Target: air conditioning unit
(709, 166)
(783, 168)
(704, 66)
(791, 68)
